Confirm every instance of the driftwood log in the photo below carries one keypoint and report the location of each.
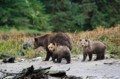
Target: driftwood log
(41, 73)
(7, 58)
(30, 73)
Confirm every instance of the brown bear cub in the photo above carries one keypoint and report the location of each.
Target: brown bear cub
(59, 52)
(92, 47)
(59, 38)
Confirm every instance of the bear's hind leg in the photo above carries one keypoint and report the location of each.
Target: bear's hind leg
(68, 59)
(97, 57)
(102, 56)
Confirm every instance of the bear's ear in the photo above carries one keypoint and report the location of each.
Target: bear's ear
(53, 43)
(86, 40)
(36, 39)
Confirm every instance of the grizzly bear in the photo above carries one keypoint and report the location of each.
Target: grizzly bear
(92, 47)
(59, 38)
(59, 52)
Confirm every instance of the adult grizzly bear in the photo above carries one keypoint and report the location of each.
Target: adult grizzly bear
(59, 38)
(59, 52)
(93, 47)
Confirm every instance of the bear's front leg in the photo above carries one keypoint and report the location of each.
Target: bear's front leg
(53, 58)
(48, 55)
(90, 56)
(84, 56)
(59, 60)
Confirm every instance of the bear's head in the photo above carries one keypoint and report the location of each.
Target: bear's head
(52, 47)
(84, 42)
(40, 41)
(36, 42)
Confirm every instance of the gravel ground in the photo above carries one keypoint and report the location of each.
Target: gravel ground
(102, 69)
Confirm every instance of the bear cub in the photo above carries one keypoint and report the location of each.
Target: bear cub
(59, 52)
(92, 47)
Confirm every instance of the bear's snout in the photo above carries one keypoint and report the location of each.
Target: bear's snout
(83, 45)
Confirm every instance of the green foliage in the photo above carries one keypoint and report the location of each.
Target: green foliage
(65, 16)
(76, 15)
(59, 15)
(76, 50)
(39, 19)
(14, 12)
(26, 13)
(9, 47)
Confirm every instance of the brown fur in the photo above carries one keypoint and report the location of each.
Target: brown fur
(59, 52)
(93, 47)
(45, 40)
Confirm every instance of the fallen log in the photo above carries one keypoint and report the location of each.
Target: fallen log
(41, 73)
(7, 58)
(33, 74)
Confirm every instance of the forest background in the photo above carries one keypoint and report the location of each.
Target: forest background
(59, 15)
